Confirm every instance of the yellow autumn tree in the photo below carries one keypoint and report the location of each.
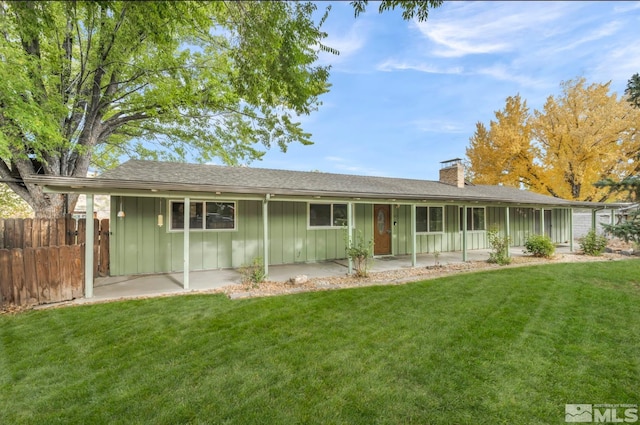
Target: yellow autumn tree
(583, 136)
(504, 154)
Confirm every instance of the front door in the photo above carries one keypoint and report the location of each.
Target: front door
(381, 229)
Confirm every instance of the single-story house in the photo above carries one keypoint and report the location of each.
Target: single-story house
(236, 214)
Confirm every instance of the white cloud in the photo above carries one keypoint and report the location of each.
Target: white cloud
(603, 31)
(626, 7)
(503, 72)
(392, 65)
(438, 126)
(348, 43)
(619, 64)
(345, 165)
(487, 27)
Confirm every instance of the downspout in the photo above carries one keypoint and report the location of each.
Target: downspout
(593, 217)
(571, 229)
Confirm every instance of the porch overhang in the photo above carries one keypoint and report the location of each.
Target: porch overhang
(137, 188)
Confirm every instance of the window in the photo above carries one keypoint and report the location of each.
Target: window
(429, 219)
(327, 215)
(204, 215)
(475, 218)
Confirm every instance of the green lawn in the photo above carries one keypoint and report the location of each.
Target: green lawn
(511, 346)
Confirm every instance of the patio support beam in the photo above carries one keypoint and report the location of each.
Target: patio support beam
(88, 250)
(507, 231)
(542, 221)
(465, 256)
(350, 234)
(571, 229)
(593, 219)
(413, 235)
(265, 234)
(185, 252)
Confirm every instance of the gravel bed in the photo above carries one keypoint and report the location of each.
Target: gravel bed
(400, 276)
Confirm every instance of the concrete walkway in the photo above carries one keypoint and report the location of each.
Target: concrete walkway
(124, 287)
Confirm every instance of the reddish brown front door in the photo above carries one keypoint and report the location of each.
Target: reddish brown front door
(381, 229)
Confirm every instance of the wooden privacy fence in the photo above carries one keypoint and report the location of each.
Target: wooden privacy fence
(41, 275)
(42, 261)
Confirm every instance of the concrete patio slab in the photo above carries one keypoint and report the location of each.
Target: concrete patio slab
(125, 287)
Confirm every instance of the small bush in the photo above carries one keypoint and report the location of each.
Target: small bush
(500, 247)
(254, 274)
(539, 246)
(592, 243)
(360, 252)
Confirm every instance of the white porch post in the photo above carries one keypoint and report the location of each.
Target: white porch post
(265, 234)
(185, 252)
(507, 230)
(571, 229)
(542, 221)
(88, 249)
(464, 234)
(413, 235)
(349, 234)
(593, 219)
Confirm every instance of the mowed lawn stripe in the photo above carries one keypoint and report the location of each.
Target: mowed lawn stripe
(507, 346)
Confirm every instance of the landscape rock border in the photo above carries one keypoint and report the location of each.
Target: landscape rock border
(401, 276)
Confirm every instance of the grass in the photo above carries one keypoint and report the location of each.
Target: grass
(500, 347)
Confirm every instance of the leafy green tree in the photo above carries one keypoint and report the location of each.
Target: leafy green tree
(410, 8)
(633, 90)
(629, 187)
(85, 83)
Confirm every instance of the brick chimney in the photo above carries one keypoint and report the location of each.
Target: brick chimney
(452, 172)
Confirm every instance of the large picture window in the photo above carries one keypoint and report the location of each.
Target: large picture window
(429, 219)
(327, 215)
(475, 218)
(204, 215)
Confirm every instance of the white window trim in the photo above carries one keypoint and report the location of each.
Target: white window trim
(169, 212)
(484, 216)
(429, 232)
(331, 226)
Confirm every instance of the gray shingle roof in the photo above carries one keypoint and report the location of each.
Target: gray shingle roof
(211, 178)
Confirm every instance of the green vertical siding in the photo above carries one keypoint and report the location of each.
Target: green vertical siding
(560, 225)
(449, 240)
(138, 245)
(290, 240)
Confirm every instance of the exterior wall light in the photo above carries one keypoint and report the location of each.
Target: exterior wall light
(121, 212)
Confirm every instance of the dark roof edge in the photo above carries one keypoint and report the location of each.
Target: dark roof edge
(77, 184)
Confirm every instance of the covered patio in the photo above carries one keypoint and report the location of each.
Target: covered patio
(129, 287)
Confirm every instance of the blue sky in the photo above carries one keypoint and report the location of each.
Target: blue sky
(407, 95)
